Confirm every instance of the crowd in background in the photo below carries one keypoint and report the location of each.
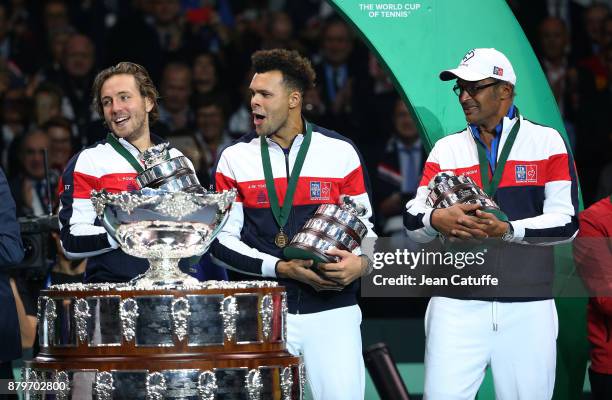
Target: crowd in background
(198, 53)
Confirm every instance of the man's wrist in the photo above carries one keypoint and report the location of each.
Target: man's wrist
(508, 235)
(366, 265)
(278, 273)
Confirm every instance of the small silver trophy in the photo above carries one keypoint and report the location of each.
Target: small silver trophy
(170, 218)
(331, 226)
(448, 189)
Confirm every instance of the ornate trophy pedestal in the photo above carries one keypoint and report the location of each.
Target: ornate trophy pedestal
(212, 340)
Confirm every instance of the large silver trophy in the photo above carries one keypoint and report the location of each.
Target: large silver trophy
(175, 218)
(164, 335)
(331, 226)
(447, 189)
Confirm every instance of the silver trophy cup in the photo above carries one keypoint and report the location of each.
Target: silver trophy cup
(330, 226)
(448, 189)
(170, 218)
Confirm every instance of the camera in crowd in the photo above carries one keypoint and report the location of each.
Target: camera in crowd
(38, 245)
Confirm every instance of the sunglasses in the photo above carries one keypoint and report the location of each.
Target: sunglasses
(472, 89)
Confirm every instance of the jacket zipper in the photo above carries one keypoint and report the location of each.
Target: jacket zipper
(286, 154)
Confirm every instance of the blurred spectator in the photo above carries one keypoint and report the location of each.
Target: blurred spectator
(206, 77)
(169, 25)
(560, 71)
(29, 186)
(61, 149)
(75, 79)
(313, 108)
(398, 171)
(279, 33)
(590, 51)
(15, 120)
(17, 47)
(55, 18)
(241, 119)
(308, 17)
(207, 28)
(373, 95)
(174, 109)
(53, 64)
(47, 103)
(126, 38)
(531, 13)
(211, 135)
(594, 148)
(336, 75)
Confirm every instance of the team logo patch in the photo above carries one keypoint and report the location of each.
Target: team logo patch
(320, 190)
(498, 71)
(261, 197)
(526, 173)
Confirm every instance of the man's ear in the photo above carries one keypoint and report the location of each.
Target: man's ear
(506, 90)
(295, 99)
(148, 104)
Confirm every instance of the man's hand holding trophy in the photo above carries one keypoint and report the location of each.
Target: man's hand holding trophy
(321, 254)
(463, 211)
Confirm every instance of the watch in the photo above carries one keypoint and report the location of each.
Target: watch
(509, 234)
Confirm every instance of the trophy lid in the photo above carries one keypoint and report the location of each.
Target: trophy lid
(155, 155)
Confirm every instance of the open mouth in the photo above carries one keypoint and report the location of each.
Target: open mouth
(258, 119)
(121, 121)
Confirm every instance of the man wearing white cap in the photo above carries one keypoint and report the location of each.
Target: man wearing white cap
(527, 170)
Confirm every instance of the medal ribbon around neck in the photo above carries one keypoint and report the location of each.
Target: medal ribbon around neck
(281, 214)
(123, 152)
(490, 186)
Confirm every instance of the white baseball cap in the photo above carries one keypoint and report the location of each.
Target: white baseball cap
(478, 64)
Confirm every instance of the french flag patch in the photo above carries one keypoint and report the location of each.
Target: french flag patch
(320, 190)
(526, 173)
(498, 71)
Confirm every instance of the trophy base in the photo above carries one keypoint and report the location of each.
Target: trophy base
(163, 272)
(301, 252)
(498, 213)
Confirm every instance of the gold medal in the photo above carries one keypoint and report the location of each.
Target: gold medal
(281, 239)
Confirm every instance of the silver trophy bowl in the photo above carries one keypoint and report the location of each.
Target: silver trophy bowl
(163, 227)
